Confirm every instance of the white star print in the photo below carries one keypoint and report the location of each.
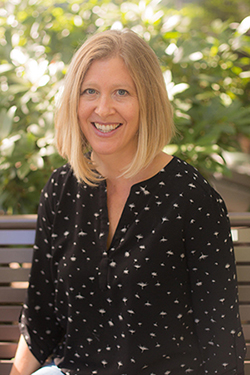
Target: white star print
(143, 189)
(144, 286)
(143, 348)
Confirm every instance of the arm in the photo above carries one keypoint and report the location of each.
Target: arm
(25, 363)
(38, 311)
(214, 286)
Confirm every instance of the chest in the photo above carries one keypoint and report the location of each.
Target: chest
(145, 257)
(115, 205)
(142, 234)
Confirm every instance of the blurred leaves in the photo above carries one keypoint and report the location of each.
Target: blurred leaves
(205, 61)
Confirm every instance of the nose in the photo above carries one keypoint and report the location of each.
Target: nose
(105, 106)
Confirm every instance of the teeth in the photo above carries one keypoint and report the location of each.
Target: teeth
(106, 128)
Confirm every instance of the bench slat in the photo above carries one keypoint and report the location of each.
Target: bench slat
(244, 293)
(243, 273)
(246, 331)
(18, 221)
(239, 219)
(10, 295)
(9, 332)
(242, 254)
(248, 352)
(17, 237)
(8, 275)
(245, 313)
(5, 367)
(243, 235)
(9, 313)
(7, 350)
(19, 255)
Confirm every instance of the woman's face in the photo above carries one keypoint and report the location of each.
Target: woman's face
(108, 110)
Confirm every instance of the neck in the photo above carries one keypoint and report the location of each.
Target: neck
(111, 167)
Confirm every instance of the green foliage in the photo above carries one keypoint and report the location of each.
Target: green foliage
(206, 65)
(234, 10)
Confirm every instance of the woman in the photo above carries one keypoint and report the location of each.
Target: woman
(133, 269)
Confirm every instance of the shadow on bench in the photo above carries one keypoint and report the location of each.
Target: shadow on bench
(16, 239)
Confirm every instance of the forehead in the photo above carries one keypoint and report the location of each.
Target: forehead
(109, 70)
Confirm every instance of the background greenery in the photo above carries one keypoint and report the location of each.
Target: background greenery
(204, 51)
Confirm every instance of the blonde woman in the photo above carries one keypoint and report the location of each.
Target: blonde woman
(133, 270)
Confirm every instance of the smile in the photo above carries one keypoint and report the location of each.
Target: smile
(106, 128)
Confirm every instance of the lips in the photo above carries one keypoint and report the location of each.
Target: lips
(105, 128)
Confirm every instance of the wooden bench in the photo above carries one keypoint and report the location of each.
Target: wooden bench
(16, 240)
(17, 235)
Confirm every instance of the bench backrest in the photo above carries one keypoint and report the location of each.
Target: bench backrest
(17, 235)
(240, 224)
(16, 239)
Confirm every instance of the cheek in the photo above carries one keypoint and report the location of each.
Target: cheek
(130, 110)
(134, 115)
(81, 110)
(84, 109)
(81, 118)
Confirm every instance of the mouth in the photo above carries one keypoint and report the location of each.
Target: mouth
(107, 128)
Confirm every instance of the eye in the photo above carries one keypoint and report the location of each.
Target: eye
(122, 92)
(89, 92)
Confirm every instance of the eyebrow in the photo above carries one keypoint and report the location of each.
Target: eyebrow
(123, 85)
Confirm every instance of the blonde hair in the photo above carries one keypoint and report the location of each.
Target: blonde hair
(156, 126)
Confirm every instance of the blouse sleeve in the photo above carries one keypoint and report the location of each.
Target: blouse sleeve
(38, 322)
(213, 280)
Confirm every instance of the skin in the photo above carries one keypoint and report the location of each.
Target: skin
(25, 363)
(108, 112)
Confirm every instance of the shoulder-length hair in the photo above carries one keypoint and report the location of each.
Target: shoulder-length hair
(156, 126)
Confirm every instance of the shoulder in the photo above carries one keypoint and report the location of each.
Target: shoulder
(184, 176)
(61, 180)
(185, 181)
(61, 177)
(61, 174)
(200, 195)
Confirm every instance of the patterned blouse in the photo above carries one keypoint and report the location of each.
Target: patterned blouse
(162, 300)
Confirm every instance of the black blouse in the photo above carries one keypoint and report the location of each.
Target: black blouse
(161, 300)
